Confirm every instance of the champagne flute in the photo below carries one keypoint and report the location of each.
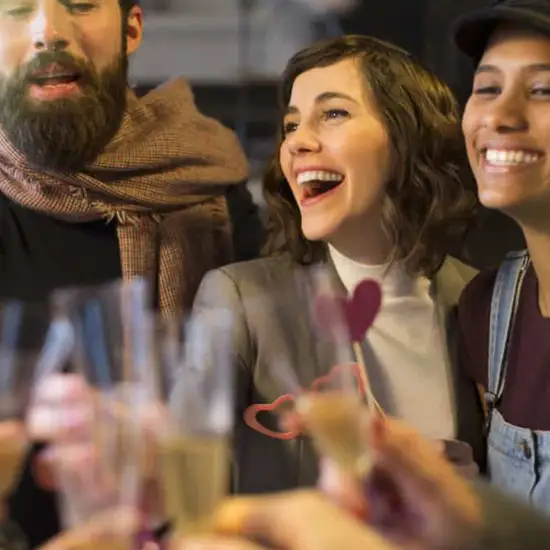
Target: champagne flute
(99, 469)
(330, 393)
(195, 440)
(23, 332)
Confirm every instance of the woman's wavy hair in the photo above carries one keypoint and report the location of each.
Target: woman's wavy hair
(126, 5)
(427, 209)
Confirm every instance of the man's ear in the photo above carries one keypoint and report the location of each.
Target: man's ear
(134, 29)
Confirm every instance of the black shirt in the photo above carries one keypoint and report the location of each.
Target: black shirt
(38, 254)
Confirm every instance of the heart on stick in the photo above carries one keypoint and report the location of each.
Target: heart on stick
(357, 312)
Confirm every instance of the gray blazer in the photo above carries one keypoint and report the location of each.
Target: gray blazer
(269, 318)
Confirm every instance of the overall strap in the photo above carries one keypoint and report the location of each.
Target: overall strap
(504, 304)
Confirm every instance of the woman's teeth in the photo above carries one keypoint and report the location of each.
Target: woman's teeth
(510, 158)
(318, 175)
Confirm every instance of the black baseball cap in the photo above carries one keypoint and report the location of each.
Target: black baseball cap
(472, 31)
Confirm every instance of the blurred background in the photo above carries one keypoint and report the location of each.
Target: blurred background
(233, 51)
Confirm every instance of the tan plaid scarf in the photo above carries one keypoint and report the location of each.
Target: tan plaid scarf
(162, 179)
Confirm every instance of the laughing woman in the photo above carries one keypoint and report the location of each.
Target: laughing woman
(505, 312)
(366, 181)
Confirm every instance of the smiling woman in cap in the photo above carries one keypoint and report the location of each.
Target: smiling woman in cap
(505, 312)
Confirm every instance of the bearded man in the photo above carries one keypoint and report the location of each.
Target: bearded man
(96, 184)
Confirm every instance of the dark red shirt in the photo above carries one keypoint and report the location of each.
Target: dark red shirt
(526, 398)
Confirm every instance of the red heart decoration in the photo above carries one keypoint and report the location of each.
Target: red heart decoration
(334, 372)
(250, 417)
(358, 312)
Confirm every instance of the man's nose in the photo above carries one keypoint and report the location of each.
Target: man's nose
(51, 27)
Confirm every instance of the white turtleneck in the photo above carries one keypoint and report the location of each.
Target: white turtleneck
(405, 349)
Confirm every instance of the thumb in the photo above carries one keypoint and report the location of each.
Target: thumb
(274, 520)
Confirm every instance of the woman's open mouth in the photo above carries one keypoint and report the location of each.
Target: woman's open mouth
(316, 184)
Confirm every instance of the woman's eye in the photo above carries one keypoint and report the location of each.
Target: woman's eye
(335, 113)
(541, 91)
(487, 90)
(289, 127)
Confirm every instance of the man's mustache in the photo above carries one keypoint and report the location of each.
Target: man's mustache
(62, 60)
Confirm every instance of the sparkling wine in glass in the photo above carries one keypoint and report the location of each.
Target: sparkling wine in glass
(195, 442)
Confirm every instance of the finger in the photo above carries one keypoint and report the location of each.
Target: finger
(468, 471)
(343, 489)
(78, 470)
(279, 520)
(116, 525)
(214, 543)
(58, 388)
(300, 519)
(292, 422)
(63, 422)
(458, 452)
(58, 404)
(232, 514)
(461, 456)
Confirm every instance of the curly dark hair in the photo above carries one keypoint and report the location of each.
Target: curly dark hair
(427, 208)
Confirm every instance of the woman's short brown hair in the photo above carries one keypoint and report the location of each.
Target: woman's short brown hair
(427, 206)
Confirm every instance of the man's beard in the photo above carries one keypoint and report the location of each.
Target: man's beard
(69, 133)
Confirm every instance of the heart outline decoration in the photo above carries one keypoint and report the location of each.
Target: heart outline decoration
(250, 415)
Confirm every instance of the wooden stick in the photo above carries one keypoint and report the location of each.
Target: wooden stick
(372, 403)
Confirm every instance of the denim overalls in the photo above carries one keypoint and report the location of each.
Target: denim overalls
(518, 458)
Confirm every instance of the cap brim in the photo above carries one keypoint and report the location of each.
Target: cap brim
(471, 32)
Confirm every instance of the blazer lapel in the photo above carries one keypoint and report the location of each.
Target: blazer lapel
(447, 286)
